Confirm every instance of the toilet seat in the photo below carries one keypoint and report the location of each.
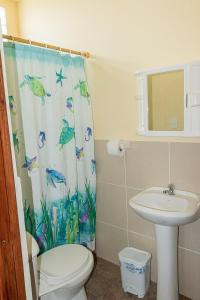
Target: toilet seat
(62, 263)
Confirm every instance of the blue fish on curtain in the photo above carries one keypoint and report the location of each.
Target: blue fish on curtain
(60, 202)
(54, 177)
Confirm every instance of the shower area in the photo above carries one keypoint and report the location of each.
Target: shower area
(52, 128)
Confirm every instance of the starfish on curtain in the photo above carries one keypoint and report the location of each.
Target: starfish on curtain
(60, 77)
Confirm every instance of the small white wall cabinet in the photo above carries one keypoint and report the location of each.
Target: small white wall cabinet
(191, 101)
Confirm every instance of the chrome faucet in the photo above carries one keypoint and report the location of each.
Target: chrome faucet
(170, 189)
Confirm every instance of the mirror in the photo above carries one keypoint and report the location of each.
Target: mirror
(166, 101)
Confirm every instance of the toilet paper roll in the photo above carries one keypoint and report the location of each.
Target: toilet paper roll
(114, 148)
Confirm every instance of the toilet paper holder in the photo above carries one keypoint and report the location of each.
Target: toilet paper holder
(117, 147)
(123, 145)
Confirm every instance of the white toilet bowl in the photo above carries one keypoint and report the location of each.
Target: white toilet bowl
(63, 271)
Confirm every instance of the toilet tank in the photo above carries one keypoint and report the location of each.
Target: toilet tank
(33, 251)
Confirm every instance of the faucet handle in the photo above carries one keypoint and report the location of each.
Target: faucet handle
(171, 186)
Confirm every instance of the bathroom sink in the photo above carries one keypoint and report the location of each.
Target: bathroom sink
(164, 209)
(167, 209)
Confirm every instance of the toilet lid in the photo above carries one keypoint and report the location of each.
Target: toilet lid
(62, 263)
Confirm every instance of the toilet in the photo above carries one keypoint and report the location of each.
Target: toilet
(60, 273)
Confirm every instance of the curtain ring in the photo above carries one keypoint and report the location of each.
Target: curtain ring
(30, 43)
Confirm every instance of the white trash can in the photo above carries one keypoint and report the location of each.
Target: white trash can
(135, 271)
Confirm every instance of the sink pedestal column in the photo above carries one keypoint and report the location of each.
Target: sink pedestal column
(166, 246)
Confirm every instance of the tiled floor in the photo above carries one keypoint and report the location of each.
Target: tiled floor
(105, 284)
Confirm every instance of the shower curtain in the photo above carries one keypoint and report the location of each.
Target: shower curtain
(53, 137)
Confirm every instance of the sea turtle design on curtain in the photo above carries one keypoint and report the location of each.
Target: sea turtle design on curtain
(54, 144)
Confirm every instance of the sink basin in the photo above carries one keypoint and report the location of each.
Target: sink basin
(169, 210)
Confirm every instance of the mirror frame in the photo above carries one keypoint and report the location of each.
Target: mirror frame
(142, 101)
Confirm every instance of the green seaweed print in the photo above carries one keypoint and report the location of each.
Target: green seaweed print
(71, 219)
(16, 140)
(12, 105)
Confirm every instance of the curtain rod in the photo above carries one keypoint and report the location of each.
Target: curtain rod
(38, 44)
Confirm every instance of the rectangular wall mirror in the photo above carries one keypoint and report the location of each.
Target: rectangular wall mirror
(166, 101)
(169, 101)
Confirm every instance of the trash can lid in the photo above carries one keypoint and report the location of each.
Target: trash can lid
(133, 255)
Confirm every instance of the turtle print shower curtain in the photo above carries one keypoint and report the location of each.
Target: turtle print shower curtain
(52, 126)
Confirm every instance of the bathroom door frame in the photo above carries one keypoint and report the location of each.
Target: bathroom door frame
(12, 286)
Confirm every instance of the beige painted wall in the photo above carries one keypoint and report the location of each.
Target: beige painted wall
(123, 36)
(11, 16)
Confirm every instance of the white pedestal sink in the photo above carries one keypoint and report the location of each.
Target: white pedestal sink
(167, 212)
